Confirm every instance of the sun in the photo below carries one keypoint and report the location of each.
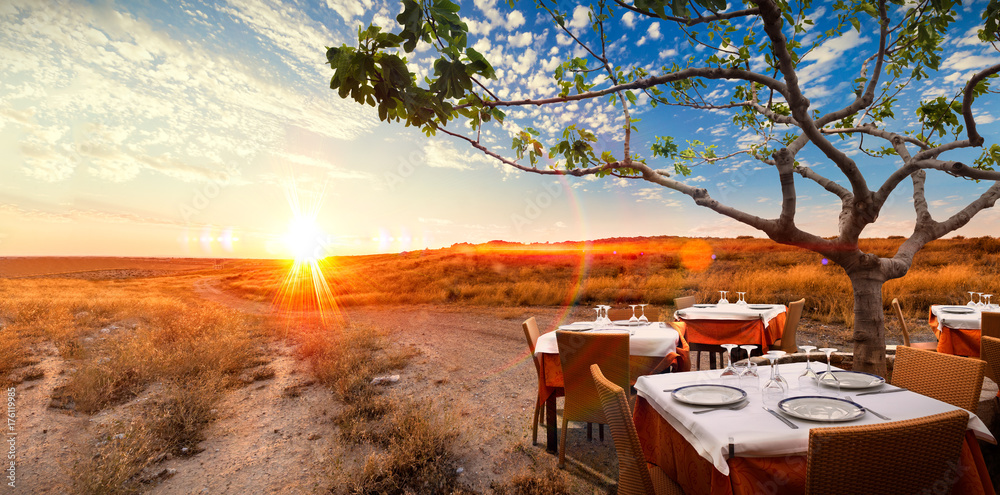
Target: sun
(305, 240)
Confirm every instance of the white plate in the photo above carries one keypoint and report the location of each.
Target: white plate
(704, 305)
(578, 326)
(826, 409)
(709, 395)
(958, 310)
(627, 323)
(761, 306)
(857, 379)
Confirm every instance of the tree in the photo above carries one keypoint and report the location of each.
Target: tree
(766, 98)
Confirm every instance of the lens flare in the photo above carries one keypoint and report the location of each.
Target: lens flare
(305, 291)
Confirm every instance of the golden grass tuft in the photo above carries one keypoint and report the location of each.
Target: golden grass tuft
(550, 482)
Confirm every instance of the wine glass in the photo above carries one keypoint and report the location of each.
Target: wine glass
(773, 390)
(634, 318)
(980, 303)
(777, 370)
(597, 321)
(742, 301)
(807, 380)
(723, 300)
(607, 321)
(729, 375)
(749, 373)
(827, 378)
(643, 317)
(972, 302)
(987, 305)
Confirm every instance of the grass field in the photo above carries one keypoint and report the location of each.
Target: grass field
(652, 270)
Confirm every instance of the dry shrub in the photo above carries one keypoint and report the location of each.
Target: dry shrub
(417, 456)
(551, 482)
(119, 462)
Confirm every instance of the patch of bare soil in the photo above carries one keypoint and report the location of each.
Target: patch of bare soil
(274, 435)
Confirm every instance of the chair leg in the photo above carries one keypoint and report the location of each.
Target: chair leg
(590, 432)
(711, 360)
(534, 421)
(600, 431)
(562, 445)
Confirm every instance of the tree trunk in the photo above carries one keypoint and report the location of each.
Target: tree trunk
(869, 321)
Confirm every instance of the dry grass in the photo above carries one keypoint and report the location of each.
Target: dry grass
(655, 270)
(551, 482)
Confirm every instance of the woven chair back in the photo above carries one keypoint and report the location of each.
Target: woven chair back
(791, 325)
(633, 476)
(684, 302)
(888, 458)
(902, 321)
(991, 324)
(953, 379)
(577, 351)
(989, 350)
(531, 334)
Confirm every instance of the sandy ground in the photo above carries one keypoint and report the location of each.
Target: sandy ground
(277, 434)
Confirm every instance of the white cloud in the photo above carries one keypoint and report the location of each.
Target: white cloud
(828, 56)
(514, 20)
(654, 31)
(349, 9)
(629, 19)
(965, 60)
(519, 40)
(580, 19)
(441, 154)
(668, 53)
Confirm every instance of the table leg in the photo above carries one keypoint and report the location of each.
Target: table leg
(551, 432)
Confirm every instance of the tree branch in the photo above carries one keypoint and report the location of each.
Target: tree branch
(577, 172)
(958, 220)
(967, 97)
(958, 169)
(692, 21)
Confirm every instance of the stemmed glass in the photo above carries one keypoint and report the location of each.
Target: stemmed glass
(807, 380)
(971, 303)
(827, 378)
(607, 321)
(730, 375)
(634, 318)
(777, 370)
(980, 303)
(750, 370)
(723, 300)
(643, 317)
(987, 305)
(742, 301)
(598, 321)
(773, 390)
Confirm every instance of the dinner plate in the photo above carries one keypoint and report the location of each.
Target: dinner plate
(857, 379)
(709, 395)
(826, 409)
(578, 326)
(627, 323)
(958, 310)
(704, 305)
(760, 306)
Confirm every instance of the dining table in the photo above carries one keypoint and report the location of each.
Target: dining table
(654, 347)
(958, 328)
(752, 450)
(707, 326)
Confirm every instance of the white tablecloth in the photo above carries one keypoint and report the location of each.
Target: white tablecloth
(970, 321)
(653, 340)
(755, 432)
(731, 312)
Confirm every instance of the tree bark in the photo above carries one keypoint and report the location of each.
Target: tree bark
(869, 321)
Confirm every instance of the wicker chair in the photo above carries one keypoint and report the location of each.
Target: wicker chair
(684, 302)
(635, 476)
(888, 458)
(953, 379)
(989, 327)
(787, 340)
(531, 333)
(577, 351)
(929, 346)
(989, 351)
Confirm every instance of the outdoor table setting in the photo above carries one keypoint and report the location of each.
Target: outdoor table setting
(958, 328)
(653, 348)
(730, 431)
(717, 324)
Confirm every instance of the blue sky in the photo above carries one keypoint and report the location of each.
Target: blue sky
(182, 129)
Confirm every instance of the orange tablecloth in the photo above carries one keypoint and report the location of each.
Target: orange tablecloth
(957, 341)
(718, 332)
(665, 447)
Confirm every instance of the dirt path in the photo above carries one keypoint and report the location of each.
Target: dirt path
(273, 436)
(48, 439)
